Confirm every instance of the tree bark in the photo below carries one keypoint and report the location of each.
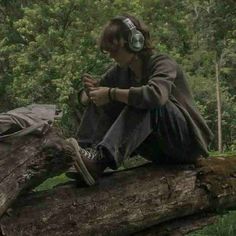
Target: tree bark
(180, 226)
(127, 202)
(219, 112)
(23, 165)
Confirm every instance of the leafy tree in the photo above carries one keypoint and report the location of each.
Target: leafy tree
(46, 46)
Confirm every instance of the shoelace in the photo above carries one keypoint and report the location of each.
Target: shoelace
(89, 153)
(68, 151)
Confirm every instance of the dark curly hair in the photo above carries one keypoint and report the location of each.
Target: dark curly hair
(115, 30)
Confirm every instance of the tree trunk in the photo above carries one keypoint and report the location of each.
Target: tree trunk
(23, 165)
(128, 202)
(219, 113)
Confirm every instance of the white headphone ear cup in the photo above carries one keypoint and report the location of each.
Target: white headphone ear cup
(136, 41)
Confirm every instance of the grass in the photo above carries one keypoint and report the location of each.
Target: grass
(225, 226)
(52, 182)
(226, 154)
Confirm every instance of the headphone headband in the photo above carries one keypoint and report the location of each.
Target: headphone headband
(129, 24)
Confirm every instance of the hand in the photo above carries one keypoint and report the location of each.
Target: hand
(89, 82)
(99, 95)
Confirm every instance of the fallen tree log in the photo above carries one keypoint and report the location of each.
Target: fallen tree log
(180, 226)
(128, 202)
(23, 165)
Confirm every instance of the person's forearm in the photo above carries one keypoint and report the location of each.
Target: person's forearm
(121, 95)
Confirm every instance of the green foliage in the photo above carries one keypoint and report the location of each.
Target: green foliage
(225, 227)
(52, 182)
(46, 46)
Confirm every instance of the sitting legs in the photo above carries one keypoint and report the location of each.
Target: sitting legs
(162, 135)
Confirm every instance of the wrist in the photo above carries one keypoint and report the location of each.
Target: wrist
(112, 94)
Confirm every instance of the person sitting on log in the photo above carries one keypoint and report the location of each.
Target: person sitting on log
(142, 105)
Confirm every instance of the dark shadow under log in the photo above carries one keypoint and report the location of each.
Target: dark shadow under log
(128, 202)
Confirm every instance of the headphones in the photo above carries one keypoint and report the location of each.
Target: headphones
(136, 38)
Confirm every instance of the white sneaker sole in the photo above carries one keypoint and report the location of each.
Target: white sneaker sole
(79, 164)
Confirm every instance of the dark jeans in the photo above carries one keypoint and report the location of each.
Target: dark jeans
(161, 135)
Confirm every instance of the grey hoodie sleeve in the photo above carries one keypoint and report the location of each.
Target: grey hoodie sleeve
(158, 88)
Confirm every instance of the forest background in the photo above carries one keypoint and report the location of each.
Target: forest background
(47, 45)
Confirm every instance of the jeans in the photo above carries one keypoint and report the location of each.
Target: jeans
(161, 135)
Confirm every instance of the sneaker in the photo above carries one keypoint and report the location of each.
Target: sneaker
(88, 162)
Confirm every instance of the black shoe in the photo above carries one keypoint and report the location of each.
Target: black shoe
(90, 163)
